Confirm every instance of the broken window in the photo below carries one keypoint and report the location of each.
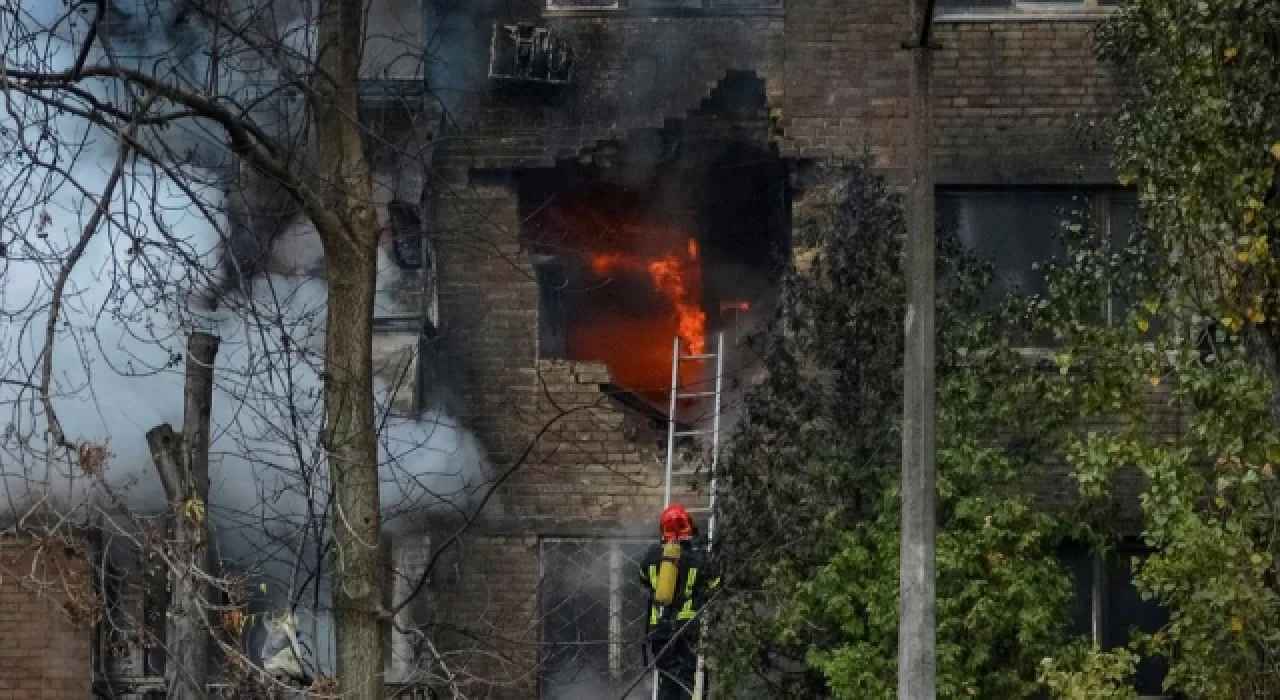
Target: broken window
(406, 310)
(524, 52)
(407, 274)
(594, 610)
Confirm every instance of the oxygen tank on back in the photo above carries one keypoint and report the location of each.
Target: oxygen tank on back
(668, 572)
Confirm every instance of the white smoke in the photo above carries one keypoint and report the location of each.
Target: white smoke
(120, 336)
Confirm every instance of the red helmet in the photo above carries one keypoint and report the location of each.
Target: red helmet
(675, 524)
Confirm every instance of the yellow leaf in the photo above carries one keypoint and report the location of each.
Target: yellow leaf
(1143, 325)
(1275, 150)
(1250, 215)
(1237, 625)
(1157, 637)
(1220, 502)
(1127, 177)
(1155, 381)
(1151, 305)
(194, 508)
(1256, 559)
(1242, 256)
(1230, 52)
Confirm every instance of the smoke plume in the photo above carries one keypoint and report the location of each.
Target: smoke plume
(127, 307)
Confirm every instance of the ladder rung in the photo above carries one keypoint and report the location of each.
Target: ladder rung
(707, 356)
(698, 510)
(695, 394)
(688, 472)
(690, 433)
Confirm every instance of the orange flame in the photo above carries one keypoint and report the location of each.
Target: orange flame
(678, 278)
(614, 241)
(669, 276)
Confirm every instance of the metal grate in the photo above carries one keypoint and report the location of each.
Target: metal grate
(593, 618)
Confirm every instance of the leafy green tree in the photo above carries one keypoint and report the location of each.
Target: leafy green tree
(812, 517)
(811, 536)
(1200, 138)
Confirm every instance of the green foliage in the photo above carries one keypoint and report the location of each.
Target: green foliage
(1201, 140)
(812, 520)
(1201, 136)
(1082, 672)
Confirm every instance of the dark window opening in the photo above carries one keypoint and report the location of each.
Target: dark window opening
(1078, 560)
(1107, 607)
(406, 232)
(1020, 230)
(659, 241)
(1124, 610)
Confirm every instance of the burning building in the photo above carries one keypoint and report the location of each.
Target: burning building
(606, 176)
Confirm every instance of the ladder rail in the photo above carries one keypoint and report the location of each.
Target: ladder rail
(669, 471)
(671, 434)
(715, 439)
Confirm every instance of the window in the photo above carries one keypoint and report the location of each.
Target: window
(593, 618)
(406, 311)
(960, 8)
(1018, 230)
(661, 6)
(1107, 605)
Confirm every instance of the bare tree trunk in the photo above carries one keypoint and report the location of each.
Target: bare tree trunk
(183, 464)
(350, 236)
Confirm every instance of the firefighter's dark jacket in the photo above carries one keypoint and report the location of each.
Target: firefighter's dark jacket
(697, 579)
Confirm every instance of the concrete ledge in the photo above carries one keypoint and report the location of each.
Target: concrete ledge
(1017, 15)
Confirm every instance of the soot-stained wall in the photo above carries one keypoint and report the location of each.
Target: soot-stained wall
(1016, 102)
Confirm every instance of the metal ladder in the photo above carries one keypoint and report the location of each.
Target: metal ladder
(714, 433)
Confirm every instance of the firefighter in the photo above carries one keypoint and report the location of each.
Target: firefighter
(679, 577)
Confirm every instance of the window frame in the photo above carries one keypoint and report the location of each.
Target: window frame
(1099, 592)
(1021, 10)
(622, 575)
(650, 8)
(1097, 199)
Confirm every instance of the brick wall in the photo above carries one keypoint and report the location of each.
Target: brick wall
(1017, 100)
(1021, 102)
(487, 616)
(846, 80)
(1015, 103)
(45, 643)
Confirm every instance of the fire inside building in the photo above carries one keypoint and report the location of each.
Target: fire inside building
(608, 177)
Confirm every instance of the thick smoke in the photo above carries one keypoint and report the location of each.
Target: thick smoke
(119, 341)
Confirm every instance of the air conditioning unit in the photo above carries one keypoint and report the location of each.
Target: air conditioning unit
(527, 53)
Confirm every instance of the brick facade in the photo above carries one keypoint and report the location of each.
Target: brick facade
(45, 639)
(1021, 102)
(1017, 102)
